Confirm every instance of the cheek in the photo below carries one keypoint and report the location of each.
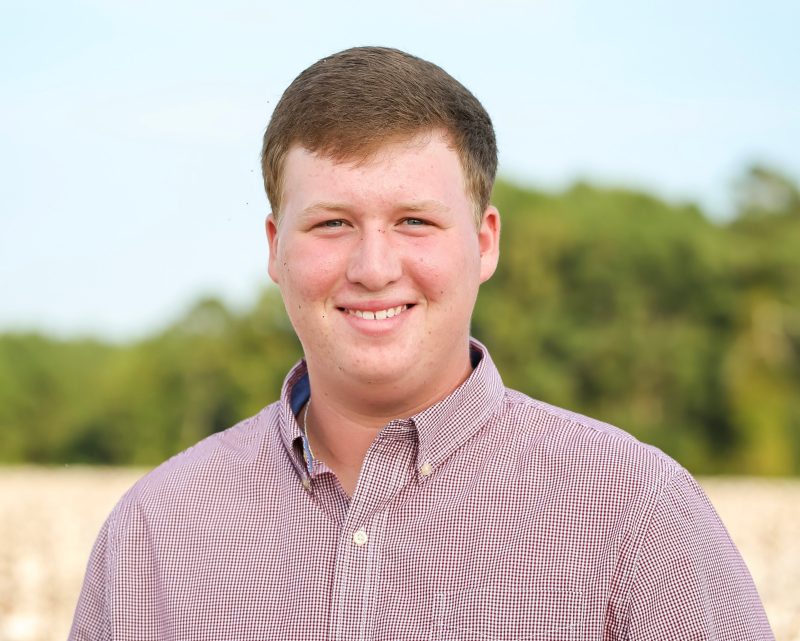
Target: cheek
(445, 281)
(446, 270)
(308, 273)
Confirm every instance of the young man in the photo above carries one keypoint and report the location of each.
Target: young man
(398, 490)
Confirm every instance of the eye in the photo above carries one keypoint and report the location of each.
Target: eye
(414, 222)
(333, 224)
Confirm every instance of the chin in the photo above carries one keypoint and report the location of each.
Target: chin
(378, 374)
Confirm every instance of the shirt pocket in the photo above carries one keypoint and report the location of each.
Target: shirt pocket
(497, 614)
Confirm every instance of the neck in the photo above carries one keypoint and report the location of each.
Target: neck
(344, 419)
(338, 438)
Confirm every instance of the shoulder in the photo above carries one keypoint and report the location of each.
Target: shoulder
(575, 434)
(206, 472)
(600, 461)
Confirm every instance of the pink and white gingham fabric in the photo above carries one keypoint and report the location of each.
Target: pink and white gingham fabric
(487, 516)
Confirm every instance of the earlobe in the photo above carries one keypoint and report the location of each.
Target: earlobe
(271, 227)
(489, 242)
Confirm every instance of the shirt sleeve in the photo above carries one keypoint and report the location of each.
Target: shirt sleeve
(690, 581)
(92, 621)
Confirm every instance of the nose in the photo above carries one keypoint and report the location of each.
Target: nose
(374, 262)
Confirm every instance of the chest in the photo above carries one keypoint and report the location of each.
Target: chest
(450, 558)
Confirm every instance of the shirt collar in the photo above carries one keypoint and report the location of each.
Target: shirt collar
(447, 425)
(294, 394)
(441, 429)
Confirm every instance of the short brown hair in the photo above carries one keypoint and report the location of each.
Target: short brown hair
(348, 105)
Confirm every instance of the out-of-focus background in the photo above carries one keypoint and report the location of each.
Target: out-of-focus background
(650, 271)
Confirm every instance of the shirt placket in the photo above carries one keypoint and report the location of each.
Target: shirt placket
(357, 572)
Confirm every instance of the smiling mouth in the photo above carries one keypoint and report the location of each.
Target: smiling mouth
(379, 314)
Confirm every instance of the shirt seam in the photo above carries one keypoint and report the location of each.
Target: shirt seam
(614, 433)
(645, 524)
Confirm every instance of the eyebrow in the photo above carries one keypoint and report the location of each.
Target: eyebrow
(324, 206)
(421, 205)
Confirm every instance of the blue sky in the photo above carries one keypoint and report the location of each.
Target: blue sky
(130, 131)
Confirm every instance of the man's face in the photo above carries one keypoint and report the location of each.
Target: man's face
(379, 263)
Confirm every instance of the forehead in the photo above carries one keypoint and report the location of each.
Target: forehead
(422, 166)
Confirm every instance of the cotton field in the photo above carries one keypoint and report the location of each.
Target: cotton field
(49, 518)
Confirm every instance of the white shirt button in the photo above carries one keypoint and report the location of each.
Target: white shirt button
(360, 537)
(426, 469)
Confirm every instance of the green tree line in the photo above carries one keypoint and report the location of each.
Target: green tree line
(610, 302)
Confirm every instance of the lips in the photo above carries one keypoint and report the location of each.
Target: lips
(378, 314)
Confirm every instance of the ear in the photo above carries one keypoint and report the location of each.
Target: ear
(489, 242)
(271, 226)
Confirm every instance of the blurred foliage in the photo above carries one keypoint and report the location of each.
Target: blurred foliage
(86, 402)
(609, 302)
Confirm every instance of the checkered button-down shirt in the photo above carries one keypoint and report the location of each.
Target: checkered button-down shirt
(487, 516)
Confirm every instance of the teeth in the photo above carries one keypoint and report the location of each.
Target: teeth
(380, 314)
